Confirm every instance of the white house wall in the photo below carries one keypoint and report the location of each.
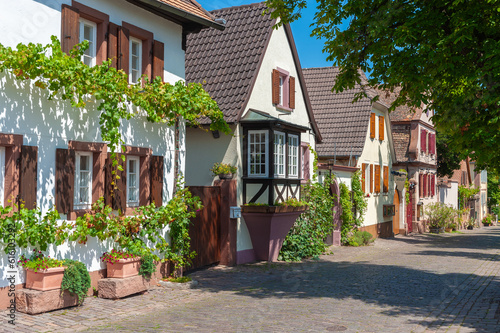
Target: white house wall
(25, 110)
(378, 153)
(449, 195)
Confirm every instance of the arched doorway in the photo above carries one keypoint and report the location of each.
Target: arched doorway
(395, 218)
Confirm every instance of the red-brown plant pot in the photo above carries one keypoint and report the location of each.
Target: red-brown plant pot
(269, 229)
(48, 279)
(124, 268)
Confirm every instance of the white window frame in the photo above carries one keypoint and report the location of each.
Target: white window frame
(266, 154)
(87, 204)
(367, 177)
(2, 175)
(279, 154)
(136, 161)
(139, 56)
(92, 43)
(293, 156)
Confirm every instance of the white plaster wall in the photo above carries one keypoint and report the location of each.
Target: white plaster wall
(378, 152)
(449, 195)
(26, 21)
(24, 109)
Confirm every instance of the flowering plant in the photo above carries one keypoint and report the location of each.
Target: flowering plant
(38, 261)
(115, 255)
(223, 168)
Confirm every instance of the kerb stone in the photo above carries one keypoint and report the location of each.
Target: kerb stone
(115, 288)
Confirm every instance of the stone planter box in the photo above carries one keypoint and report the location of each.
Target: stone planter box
(113, 288)
(35, 301)
(124, 268)
(268, 227)
(48, 279)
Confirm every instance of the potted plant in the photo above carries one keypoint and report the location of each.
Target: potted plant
(269, 225)
(223, 170)
(471, 223)
(122, 264)
(42, 272)
(437, 214)
(487, 220)
(45, 273)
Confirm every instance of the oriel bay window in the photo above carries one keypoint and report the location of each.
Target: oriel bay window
(271, 171)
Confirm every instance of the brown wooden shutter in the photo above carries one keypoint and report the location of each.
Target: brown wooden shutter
(158, 59)
(65, 180)
(123, 49)
(276, 87)
(363, 178)
(377, 178)
(113, 44)
(120, 197)
(372, 126)
(108, 186)
(371, 178)
(420, 186)
(291, 103)
(306, 173)
(381, 128)
(70, 27)
(423, 140)
(157, 180)
(386, 179)
(28, 176)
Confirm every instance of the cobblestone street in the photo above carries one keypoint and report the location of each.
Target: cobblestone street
(421, 283)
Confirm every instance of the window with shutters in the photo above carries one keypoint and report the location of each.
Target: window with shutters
(88, 32)
(133, 181)
(283, 89)
(257, 153)
(366, 179)
(2, 174)
(79, 23)
(279, 154)
(293, 156)
(135, 60)
(83, 180)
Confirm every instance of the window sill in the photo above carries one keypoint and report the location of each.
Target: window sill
(284, 108)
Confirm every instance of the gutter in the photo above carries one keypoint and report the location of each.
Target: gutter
(166, 8)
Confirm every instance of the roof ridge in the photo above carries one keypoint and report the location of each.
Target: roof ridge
(255, 4)
(194, 2)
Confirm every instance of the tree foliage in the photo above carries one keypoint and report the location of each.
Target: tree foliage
(494, 192)
(448, 159)
(443, 53)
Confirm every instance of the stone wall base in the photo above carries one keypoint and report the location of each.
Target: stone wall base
(115, 288)
(35, 301)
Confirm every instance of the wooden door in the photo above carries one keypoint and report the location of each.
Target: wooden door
(395, 218)
(205, 227)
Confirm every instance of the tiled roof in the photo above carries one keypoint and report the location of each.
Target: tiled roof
(227, 61)
(190, 6)
(401, 140)
(342, 124)
(401, 113)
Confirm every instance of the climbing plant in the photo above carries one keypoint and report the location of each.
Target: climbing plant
(465, 194)
(65, 76)
(407, 187)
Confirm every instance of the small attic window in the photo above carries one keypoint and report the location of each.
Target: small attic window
(283, 89)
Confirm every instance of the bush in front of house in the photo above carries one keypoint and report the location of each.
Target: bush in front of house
(360, 238)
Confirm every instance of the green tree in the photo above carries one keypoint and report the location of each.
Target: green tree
(442, 53)
(448, 159)
(494, 192)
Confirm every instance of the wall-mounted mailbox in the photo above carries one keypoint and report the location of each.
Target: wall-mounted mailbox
(234, 212)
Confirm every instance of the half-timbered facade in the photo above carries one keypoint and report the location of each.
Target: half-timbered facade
(254, 74)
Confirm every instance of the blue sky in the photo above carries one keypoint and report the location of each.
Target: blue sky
(309, 48)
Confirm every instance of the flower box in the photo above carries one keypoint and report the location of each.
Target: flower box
(124, 268)
(268, 227)
(43, 280)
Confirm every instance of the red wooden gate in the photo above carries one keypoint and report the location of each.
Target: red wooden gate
(409, 214)
(205, 227)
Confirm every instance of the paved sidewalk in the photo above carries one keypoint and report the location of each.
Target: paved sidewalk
(423, 283)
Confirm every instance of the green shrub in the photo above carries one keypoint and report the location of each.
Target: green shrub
(76, 279)
(360, 238)
(306, 238)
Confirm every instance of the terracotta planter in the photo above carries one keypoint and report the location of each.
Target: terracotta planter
(448, 229)
(48, 279)
(268, 229)
(124, 268)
